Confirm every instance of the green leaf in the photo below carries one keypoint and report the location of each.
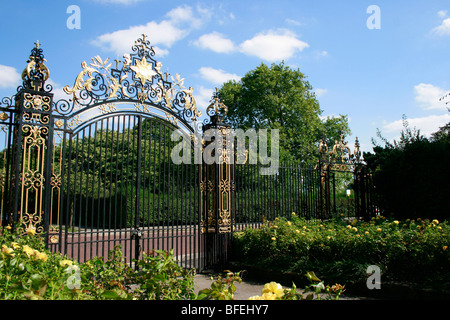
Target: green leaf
(312, 276)
(37, 281)
(110, 294)
(202, 296)
(310, 296)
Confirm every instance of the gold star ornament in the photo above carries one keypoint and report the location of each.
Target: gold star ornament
(143, 70)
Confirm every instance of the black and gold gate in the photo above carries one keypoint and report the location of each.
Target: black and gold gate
(104, 168)
(346, 186)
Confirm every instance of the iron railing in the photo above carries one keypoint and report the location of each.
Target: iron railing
(96, 171)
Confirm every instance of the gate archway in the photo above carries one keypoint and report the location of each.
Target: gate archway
(96, 170)
(346, 186)
(122, 186)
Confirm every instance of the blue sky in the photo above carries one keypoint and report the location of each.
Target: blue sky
(372, 75)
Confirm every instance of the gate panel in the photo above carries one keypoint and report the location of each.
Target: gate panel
(7, 192)
(168, 197)
(122, 188)
(97, 166)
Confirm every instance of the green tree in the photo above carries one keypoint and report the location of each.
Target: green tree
(411, 175)
(443, 134)
(278, 97)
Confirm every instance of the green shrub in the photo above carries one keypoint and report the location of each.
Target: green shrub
(341, 250)
(29, 271)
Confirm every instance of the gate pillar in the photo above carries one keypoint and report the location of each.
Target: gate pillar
(32, 146)
(217, 186)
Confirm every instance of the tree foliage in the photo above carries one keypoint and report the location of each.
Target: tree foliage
(278, 97)
(411, 175)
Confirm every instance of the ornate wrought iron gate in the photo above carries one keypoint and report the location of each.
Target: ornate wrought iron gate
(342, 168)
(100, 169)
(107, 167)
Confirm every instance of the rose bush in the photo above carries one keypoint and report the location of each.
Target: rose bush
(29, 271)
(340, 250)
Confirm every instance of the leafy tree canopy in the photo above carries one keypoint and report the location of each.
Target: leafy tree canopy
(278, 97)
(411, 175)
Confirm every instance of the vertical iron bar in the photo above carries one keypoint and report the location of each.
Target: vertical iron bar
(160, 192)
(88, 194)
(82, 134)
(153, 157)
(138, 188)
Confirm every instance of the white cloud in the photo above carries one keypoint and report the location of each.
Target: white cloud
(426, 125)
(9, 77)
(320, 92)
(203, 97)
(178, 24)
(443, 28)
(293, 22)
(442, 13)
(58, 92)
(274, 45)
(217, 76)
(428, 95)
(216, 42)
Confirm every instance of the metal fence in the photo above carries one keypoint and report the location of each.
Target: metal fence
(95, 171)
(263, 197)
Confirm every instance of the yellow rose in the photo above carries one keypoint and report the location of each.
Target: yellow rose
(7, 250)
(444, 248)
(273, 238)
(36, 253)
(65, 262)
(15, 245)
(367, 232)
(396, 222)
(293, 213)
(268, 296)
(289, 223)
(255, 298)
(274, 288)
(435, 221)
(31, 230)
(28, 251)
(379, 230)
(42, 256)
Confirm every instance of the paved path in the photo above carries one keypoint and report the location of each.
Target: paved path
(247, 288)
(244, 290)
